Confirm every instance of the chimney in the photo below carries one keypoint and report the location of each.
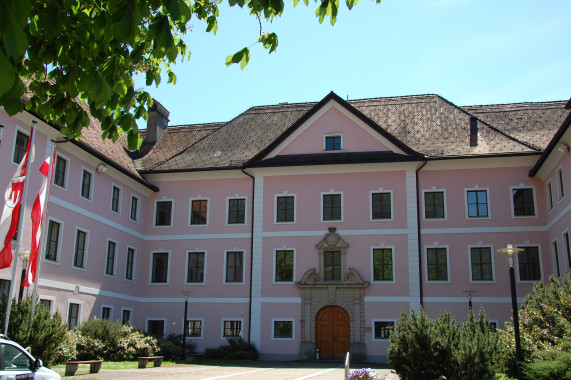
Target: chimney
(474, 131)
(156, 123)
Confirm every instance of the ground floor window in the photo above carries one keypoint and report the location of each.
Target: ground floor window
(156, 327)
(126, 317)
(283, 329)
(383, 329)
(194, 329)
(232, 329)
(105, 313)
(72, 315)
(528, 263)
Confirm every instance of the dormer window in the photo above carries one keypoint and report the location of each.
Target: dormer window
(333, 142)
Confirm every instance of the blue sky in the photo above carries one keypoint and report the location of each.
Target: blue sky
(468, 51)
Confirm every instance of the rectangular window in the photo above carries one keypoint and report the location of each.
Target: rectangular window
(332, 207)
(284, 265)
(283, 330)
(130, 264)
(567, 242)
(523, 202)
(116, 199)
(195, 270)
(160, 268)
(134, 211)
(126, 317)
(86, 181)
(4, 288)
(237, 211)
(60, 171)
(332, 265)
(194, 329)
(382, 264)
(199, 212)
(481, 262)
(333, 142)
(105, 313)
(47, 304)
(549, 194)
(437, 264)
(560, 184)
(555, 251)
(79, 252)
(163, 213)
(285, 209)
(232, 329)
(434, 205)
(234, 266)
(20, 147)
(52, 247)
(156, 327)
(477, 203)
(528, 264)
(110, 259)
(72, 315)
(383, 329)
(381, 207)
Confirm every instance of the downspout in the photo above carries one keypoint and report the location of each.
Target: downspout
(251, 253)
(419, 233)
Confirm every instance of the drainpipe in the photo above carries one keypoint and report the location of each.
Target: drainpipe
(419, 233)
(251, 252)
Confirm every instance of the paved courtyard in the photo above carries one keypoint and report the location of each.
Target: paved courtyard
(251, 371)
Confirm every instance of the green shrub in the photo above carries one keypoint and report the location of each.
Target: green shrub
(235, 349)
(171, 347)
(47, 331)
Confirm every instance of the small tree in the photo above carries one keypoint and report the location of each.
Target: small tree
(47, 333)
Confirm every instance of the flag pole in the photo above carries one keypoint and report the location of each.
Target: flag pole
(42, 240)
(20, 224)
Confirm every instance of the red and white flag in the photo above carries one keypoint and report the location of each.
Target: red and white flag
(11, 212)
(38, 212)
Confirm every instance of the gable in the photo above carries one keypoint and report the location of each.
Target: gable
(333, 120)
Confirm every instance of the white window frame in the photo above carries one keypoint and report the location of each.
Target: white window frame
(426, 280)
(285, 248)
(540, 258)
(488, 203)
(110, 312)
(138, 208)
(338, 134)
(285, 194)
(199, 198)
(91, 185)
(492, 258)
(560, 184)
(52, 302)
(435, 190)
(386, 340)
(134, 263)
(292, 320)
(67, 168)
(85, 251)
(243, 266)
(201, 327)
(236, 196)
(79, 310)
(151, 268)
(331, 192)
(123, 309)
(382, 246)
(23, 131)
(60, 241)
(186, 266)
(380, 190)
(241, 320)
(114, 258)
(170, 225)
(120, 201)
(155, 319)
(549, 196)
(535, 214)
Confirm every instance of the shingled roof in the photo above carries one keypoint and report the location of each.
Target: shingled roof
(427, 124)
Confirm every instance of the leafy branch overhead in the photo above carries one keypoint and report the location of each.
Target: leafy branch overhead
(53, 52)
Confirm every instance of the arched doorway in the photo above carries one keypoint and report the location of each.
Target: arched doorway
(332, 332)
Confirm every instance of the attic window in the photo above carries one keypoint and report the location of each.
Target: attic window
(333, 142)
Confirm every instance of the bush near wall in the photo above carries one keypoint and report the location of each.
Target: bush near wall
(422, 349)
(47, 333)
(235, 349)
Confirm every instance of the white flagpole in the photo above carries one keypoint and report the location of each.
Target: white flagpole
(44, 226)
(20, 224)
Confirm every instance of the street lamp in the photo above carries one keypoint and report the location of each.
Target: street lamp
(186, 293)
(469, 292)
(510, 251)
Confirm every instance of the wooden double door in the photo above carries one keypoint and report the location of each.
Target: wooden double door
(332, 332)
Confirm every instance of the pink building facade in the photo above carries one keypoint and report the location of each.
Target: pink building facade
(303, 226)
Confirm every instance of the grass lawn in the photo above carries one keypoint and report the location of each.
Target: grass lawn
(84, 368)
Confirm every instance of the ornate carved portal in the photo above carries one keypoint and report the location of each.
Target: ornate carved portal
(333, 285)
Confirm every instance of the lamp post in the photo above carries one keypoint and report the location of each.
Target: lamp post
(510, 251)
(25, 256)
(469, 292)
(186, 293)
